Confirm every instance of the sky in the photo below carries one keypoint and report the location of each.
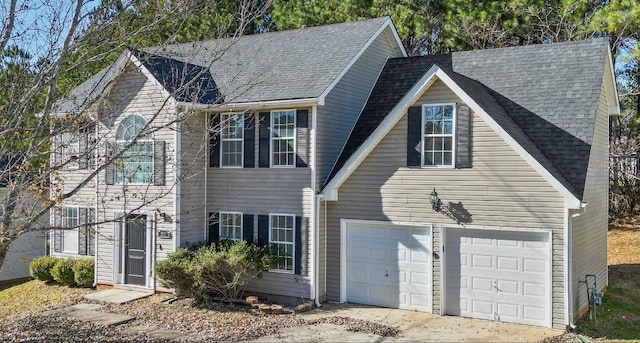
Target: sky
(41, 25)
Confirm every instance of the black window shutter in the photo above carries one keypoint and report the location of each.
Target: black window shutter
(414, 136)
(297, 242)
(90, 231)
(249, 140)
(57, 233)
(159, 163)
(463, 136)
(214, 141)
(214, 227)
(110, 170)
(83, 244)
(264, 139)
(263, 229)
(247, 227)
(302, 138)
(57, 151)
(83, 151)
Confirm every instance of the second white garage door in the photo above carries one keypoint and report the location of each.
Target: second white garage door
(498, 275)
(388, 265)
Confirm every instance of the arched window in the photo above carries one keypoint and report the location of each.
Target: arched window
(136, 163)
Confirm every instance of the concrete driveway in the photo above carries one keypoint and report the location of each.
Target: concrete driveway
(414, 326)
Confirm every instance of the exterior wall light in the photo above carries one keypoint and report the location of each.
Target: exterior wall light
(435, 201)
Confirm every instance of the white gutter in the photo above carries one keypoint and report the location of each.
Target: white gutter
(240, 106)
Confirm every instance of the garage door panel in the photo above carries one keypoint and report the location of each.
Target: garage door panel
(498, 275)
(388, 266)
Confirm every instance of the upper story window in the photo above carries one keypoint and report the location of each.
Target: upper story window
(69, 149)
(232, 139)
(281, 238)
(283, 125)
(438, 123)
(231, 226)
(136, 163)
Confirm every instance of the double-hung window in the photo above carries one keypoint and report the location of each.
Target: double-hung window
(281, 239)
(283, 130)
(231, 226)
(232, 139)
(70, 225)
(136, 163)
(438, 123)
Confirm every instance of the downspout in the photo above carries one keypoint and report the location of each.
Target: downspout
(154, 231)
(569, 262)
(206, 177)
(314, 211)
(95, 214)
(178, 182)
(325, 246)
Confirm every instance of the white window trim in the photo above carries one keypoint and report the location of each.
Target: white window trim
(64, 151)
(153, 155)
(64, 229)
(222, 139)
(221, 221)
(293, 243)
(453, 136)
(271, 139)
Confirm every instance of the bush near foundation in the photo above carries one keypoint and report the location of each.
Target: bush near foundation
(40, 268)
(83, 272)
(62, 272)
(216, 272)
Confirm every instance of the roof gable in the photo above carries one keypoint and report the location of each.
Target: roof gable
(548, 120)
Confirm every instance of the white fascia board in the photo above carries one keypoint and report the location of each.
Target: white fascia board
(397, 38)
(147, 73)
(610, 86)
(386, 24)
(244, 106)
(570, 200)
(330, 192)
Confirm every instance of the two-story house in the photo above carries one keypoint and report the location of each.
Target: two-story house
(470, 183)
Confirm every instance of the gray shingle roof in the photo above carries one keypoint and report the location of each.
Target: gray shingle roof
(295, 64)
(545, 96)
(291, 64)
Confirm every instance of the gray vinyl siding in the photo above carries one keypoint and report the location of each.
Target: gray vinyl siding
(192, 191)
(345, 101)
(133, 93)
(500, 190)
(261, 191)
(589, 230)
(21, 252)
(340, 112)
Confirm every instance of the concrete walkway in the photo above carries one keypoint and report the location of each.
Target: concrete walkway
(90, 313)
(117, 296)
(87, 312)
(414, 327)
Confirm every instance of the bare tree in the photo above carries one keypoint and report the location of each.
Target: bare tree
(52, 145)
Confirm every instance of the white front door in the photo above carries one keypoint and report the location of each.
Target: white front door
(498, 275)
(388, 265)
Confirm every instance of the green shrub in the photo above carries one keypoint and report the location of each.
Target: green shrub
(217, 271)
(40, 268)
(63, 271)
(83, 272)
(174, 272)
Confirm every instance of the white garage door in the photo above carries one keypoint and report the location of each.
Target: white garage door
(498, 275)
(388, 265)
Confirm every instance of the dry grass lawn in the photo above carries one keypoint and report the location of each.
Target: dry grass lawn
(36, 297)
(619, 316)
